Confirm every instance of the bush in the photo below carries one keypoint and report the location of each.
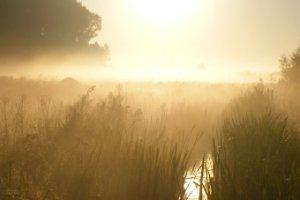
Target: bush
(290, 68)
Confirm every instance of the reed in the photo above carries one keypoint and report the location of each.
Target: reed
(256, 154)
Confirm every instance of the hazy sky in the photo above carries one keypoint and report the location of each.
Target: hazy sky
(235, 35)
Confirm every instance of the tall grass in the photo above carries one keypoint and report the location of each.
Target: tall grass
(93, 150)
(142, 144)
(257, 152)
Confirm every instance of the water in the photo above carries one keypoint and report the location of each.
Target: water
(192, 180)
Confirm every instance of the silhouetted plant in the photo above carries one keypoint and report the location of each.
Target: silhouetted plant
(256, 155)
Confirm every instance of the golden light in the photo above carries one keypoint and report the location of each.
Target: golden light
(164, 11)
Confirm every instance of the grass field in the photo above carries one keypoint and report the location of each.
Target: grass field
(140, 141)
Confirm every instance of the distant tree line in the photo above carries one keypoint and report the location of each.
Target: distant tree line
(41, 26)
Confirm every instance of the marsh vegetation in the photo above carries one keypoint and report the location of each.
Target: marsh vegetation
(171, 113)
(66, 140)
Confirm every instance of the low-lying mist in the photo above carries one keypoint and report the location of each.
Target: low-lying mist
(143, 140)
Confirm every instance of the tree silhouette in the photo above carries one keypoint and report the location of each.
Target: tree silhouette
(43, 26)
(290, 67)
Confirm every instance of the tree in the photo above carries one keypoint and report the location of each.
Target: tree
(34, 27)
(290, 67)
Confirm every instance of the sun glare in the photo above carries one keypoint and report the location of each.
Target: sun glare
(164, 11)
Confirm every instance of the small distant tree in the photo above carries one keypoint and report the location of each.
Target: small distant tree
(290, 67)
(34, 27)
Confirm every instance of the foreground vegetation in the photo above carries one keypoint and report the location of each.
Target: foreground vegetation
(257, 153)
(140, 141)
(92, 151)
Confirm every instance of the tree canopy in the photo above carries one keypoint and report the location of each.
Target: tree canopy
(40, 26)
(290, 67)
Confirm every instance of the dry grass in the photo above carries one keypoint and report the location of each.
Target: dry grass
(140, 141)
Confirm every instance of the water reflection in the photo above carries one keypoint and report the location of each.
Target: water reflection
(193, 177)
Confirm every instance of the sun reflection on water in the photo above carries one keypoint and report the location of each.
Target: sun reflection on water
(193, 177)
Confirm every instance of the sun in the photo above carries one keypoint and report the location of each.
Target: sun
(163, 11)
